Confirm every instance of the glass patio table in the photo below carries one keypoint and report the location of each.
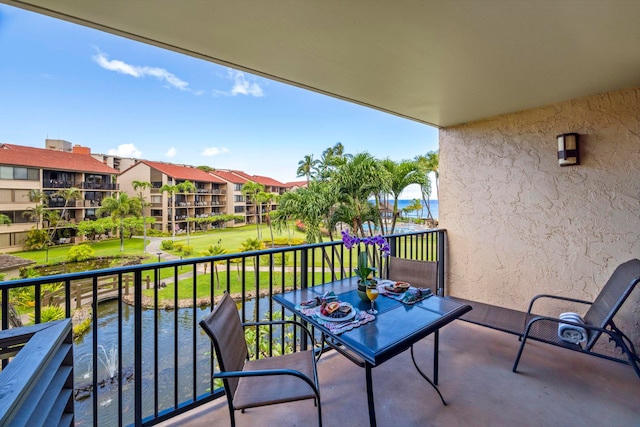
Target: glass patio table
(396, 328)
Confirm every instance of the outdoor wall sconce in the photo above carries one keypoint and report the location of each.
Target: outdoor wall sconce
(568, 149)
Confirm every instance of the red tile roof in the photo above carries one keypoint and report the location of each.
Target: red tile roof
(296, 184)
(183, 172)
(229, 176)
(264, 180)
(20, 155)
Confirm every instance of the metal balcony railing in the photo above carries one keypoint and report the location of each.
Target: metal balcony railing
(143, 358)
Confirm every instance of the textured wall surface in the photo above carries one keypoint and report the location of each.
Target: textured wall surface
(519, 224)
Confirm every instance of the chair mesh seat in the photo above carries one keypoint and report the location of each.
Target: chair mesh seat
(495, 317)
(260, 391)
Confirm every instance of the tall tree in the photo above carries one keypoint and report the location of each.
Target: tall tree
(304, 204)
(141, 187)
(214, 251)
(171, 190)
(357, 179)
(306, 167)
(267, 198)
(403, 174)
(119, 207)
(429, 163)
(67, 194)
(185, 188)
(250, 191)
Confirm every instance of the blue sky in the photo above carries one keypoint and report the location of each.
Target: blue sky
(63, 81)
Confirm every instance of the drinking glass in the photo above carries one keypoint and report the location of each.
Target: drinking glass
(372, 294)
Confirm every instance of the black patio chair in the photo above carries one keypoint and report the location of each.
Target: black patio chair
(421, 274)
(598, 319)
(260, 382)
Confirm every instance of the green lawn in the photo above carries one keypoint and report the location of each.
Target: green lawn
(103, 248)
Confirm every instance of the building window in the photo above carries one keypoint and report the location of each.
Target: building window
(16, 173)
(238, 209)
(238, 199)
(237, 187)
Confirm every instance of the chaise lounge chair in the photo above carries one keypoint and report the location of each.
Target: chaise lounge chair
(527, 325)
(598, 319)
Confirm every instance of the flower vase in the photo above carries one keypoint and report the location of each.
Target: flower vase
(362, 289)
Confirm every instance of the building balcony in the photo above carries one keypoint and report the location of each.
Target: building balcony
(165, 364)
(552, 387)
(99, 186)
(52, 183)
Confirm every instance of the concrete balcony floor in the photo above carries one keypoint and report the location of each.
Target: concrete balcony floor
(554, 387)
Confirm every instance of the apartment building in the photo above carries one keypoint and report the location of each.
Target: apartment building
(51, 171)
(208, 200)
(270, 186)
(238, 205)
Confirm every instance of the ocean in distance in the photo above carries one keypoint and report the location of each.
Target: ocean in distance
(433, 205)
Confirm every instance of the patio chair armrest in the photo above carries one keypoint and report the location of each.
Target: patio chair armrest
(283, 322)
(267, 373)
(537, 297)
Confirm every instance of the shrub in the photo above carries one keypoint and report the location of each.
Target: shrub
(179, 246)
(80, 253)
(81, 328)
(27, 272)
(154, 232)
(49, 313)
(167, 245)
(187, 250)
(281, 258)
(283, 241)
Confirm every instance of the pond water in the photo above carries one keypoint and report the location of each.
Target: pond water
(107, 332)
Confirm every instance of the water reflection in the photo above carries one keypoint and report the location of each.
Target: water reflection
(173, 340)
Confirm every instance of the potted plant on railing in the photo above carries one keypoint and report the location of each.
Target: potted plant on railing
(364, 271)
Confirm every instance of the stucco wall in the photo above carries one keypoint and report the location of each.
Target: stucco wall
(519, 224)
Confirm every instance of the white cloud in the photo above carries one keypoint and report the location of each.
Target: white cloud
(241, 86)
(171, 153)
(214, 151)
(125, 150)
(137, 71)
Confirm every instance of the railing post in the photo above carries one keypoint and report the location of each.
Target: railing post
(304, 268)
(441, 262)
(137, 342)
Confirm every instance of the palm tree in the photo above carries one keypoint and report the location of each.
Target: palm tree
(140, 187)
(185, 188)
(304, 204)
(214, 251)
(331, 158)
(306, 167)
(250, 190)
(357, 179)
(67, 194)
(171, 190)
(414, 206)
(266, 198)
(403, 174)
(429, 163)
(119, 207)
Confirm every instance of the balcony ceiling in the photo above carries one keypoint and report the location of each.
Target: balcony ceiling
(439, 62)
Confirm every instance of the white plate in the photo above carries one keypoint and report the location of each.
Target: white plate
(349, 316)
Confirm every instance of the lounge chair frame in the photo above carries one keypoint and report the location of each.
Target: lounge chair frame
(598, 319)
(528, 325)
